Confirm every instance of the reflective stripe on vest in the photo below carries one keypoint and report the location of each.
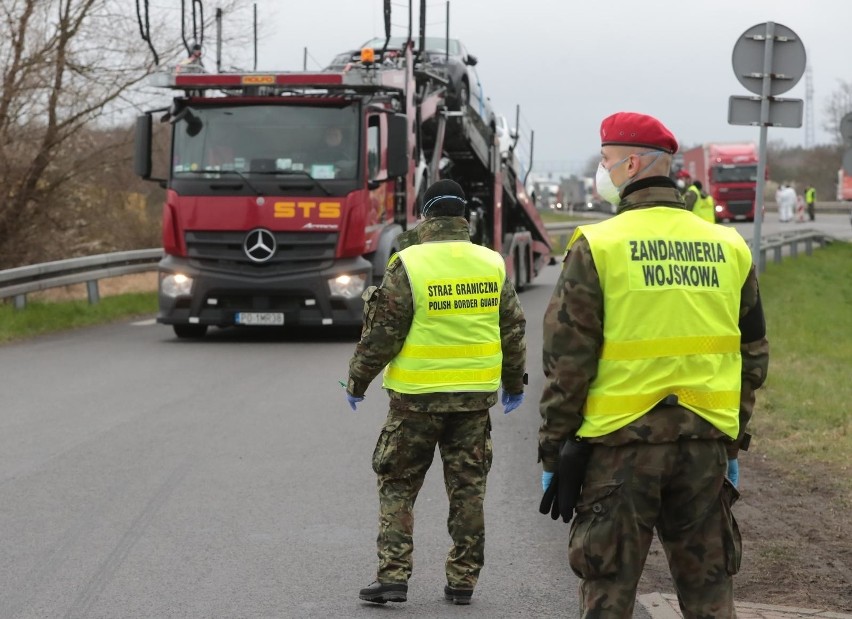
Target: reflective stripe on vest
(671, 291)
(454, 341)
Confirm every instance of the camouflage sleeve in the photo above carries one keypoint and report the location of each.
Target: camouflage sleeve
(573, 336)
(388, 311)
(408, 238)
(512, 337)
(754, 348)
(689, 199)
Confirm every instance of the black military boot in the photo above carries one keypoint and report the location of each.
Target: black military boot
(457, 596)
(381, 593)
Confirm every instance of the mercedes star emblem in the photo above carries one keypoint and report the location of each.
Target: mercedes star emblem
(259, 245)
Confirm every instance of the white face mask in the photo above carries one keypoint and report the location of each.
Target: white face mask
(603, 181)
(604, 185)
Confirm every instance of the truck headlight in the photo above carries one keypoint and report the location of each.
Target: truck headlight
(175, 285)
(347, 286)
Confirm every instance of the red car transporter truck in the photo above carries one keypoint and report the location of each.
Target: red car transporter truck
(728, 172)
(286, 192)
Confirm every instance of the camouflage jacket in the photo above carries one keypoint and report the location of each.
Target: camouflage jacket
(388, 312)
(573, 336)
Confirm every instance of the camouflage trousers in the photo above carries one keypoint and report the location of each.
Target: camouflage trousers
(680, 490)
(402, 456)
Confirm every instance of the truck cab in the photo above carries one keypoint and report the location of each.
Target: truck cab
(281, 206)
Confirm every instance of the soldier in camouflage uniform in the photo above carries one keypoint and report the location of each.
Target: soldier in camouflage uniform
(664, 469)
(456, 421)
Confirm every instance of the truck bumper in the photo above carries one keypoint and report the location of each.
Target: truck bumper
(303, 298)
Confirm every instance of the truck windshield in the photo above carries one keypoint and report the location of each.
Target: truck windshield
(267, 139)
(735, 173)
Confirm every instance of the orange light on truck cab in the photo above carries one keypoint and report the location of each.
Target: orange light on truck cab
(258, 79)
(368, 55)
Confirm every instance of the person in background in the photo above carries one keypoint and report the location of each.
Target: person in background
(702, 203)
(683, 180)
(787, 203)
(447, 327)
(810, 200)
(338, 152)
(800, 208)
(654, 343)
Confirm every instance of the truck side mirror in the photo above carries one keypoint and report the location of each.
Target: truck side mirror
(397, 145)
(142, 153)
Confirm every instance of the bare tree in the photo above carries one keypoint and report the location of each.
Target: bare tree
(70, 72)
(838, 105)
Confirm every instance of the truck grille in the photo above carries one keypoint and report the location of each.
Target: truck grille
(739, 208)
(296, 252)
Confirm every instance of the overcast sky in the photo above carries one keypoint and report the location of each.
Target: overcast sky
(570, 63)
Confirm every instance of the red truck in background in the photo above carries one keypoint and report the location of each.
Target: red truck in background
(844, 186)
(728, 172)
(287, 191)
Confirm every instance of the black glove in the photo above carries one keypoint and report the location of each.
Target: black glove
(550, 502)
(562, 495)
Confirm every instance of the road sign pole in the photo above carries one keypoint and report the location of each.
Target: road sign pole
(766, 70)
(761, 158)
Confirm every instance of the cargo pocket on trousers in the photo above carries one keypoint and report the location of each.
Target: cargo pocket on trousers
(731, 538)
(595, 542)
(387, 447)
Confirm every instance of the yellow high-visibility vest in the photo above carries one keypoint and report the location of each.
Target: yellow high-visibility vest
(671, 287)
(454, 341)
(704, 207)
(810, 195)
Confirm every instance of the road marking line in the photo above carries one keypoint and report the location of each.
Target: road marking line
(145, 323)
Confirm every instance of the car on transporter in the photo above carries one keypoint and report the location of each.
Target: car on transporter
(447, 58)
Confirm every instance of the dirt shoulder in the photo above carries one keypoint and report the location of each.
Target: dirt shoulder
(797, 540)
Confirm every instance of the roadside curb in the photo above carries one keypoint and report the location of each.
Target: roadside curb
(664, 606)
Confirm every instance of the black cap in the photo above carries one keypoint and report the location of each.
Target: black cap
(444, 198)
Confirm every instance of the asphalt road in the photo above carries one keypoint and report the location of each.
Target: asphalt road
(837, 225)
(141, 476)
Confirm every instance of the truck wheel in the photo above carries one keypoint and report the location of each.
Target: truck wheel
(520, 279)
(192, 332)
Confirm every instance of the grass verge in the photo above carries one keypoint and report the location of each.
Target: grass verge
(46, 317)
(802, 414)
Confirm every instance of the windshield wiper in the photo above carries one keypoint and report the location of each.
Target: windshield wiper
(237, 172)
(304, 173)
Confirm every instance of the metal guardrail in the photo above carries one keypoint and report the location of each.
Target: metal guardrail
(21, 281)
(774, 243)
(792, 239)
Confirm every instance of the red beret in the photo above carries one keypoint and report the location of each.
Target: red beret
(631, 129)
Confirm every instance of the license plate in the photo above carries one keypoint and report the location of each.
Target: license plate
(259, 318)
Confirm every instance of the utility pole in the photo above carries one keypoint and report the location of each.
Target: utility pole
(809, 107)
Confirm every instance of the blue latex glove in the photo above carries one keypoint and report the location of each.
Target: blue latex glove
(511, 402)
(734, 471)
(546, 478)
(353, 400)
